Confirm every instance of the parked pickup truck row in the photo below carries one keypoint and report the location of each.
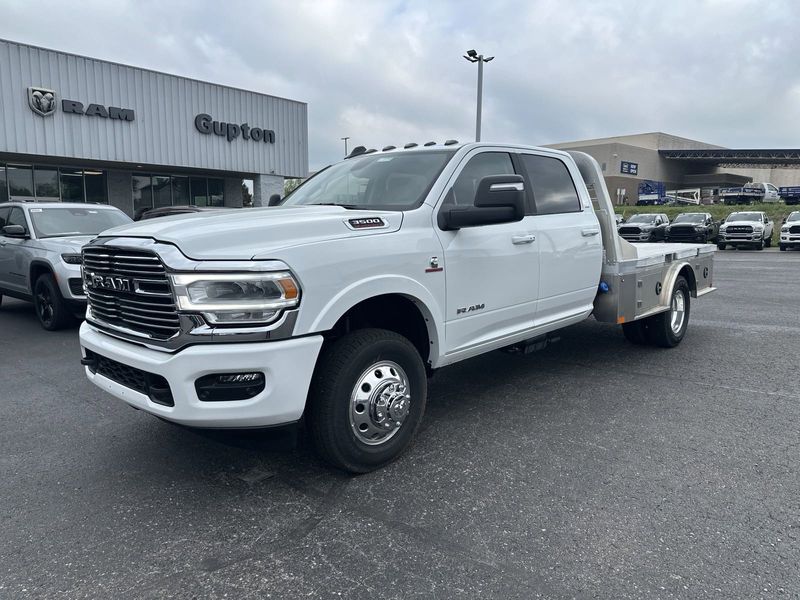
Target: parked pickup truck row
(334, 307)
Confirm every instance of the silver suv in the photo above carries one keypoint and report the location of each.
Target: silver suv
(40, 254)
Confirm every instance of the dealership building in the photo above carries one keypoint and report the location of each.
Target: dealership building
(77, 129)
(653, 161)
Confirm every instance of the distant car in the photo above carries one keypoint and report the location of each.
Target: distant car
(692, 227)
(644, 227)
(746, 229)
(168, 211)
(40, 254)
(790, 231)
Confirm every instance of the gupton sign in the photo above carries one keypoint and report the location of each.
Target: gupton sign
(205, 124)
(43, 102)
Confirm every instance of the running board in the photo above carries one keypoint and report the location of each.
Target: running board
(532, 345)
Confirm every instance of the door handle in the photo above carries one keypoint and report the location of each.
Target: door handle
(589, 232)
(518, 240)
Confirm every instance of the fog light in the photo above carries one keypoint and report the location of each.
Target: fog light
(224, 387)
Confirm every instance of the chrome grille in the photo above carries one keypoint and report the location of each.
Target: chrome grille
(739, 229)
(138, 297)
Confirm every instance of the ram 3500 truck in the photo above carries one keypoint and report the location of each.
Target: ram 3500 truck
(335, 306)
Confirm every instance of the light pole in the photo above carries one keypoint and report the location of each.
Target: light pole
(345, 144)
(473, 57)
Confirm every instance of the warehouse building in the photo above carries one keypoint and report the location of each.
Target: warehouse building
(78, 129)
(650, 161)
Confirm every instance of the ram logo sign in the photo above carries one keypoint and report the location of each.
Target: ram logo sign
(468, 309)
(42, 101)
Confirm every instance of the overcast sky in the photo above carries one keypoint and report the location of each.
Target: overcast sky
(389, 72)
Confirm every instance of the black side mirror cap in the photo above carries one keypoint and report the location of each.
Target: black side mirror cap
(15, 231)
(274, 200)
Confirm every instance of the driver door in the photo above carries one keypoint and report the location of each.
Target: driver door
(491, 271)
(13, 267)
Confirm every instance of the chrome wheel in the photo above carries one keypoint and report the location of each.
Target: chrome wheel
(379, 403)
(678, 311)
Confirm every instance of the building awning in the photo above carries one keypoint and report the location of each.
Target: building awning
(727, 157)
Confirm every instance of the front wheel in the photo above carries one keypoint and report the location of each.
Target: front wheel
(783, 248)
(768, 242)
(760, 245)
(667, 329)
(366, 400)
(51, 308)
(721, 246)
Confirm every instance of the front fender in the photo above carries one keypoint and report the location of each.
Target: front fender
(365, 289)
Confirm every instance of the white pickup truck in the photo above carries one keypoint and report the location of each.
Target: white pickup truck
(335, 306)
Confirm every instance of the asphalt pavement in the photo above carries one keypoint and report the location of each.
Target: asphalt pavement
(591, 469)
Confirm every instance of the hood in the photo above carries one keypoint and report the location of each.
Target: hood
(751, 223)
(70, 243)
(243, 234)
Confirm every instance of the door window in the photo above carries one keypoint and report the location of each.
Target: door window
(17, 217)
(478, 167)
(552, 186)
(4, 217)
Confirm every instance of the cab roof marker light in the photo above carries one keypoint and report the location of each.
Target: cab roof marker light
(429, 144)
(410, 145)
(387, 148)
(450, 142)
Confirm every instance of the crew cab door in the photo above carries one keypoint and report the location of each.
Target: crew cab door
(491, 271)
(771, 193)
(568, 239)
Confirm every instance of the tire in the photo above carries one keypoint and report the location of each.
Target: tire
(783, 248)
(768, 242)
(721, 246)
(345, 418)
(760, 245)
(51, 310)
(667, 329)
(636, 332)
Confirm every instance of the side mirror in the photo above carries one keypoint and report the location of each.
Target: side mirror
(15, 231)
(499, 199)
(274, 200)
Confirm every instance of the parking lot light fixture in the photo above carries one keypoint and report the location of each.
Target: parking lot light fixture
(473, 57)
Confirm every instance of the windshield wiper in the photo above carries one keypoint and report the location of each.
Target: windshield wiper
(347, 206)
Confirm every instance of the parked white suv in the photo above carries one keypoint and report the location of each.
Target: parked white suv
(336, 305)
(751, 229)
(40, 245)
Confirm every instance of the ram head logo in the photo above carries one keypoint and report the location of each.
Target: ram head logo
(42, 101)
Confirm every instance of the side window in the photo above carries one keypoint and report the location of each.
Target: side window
(4, 217)
(478, 167)
(17, 217)
(553, 188)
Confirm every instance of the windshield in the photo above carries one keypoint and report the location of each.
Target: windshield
(744, 216)
(642, 219)
(57, 222)
(392, 181)
(795, 216)
(690, 218)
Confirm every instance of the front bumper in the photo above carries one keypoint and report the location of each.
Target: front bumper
(790, 239)
(288, 366)
(740, 238)
(641, 237)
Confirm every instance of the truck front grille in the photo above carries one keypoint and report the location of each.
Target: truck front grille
(739, 229)
(794, 229)
(130, 289)
(629, 231)
(684, 234)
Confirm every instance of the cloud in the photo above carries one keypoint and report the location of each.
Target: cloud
(391, 72)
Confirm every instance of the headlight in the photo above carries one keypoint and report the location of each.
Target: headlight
(784, 230)
(236, 298)
(71, 259)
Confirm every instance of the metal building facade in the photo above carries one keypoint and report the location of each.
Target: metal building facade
(126, 119)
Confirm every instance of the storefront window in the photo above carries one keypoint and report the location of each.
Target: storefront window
(162, 191)
(180, 190)
(20, 183)
(199, 191)
(215, 192)
(142, 192)
(3, 184)
(46, 183)
(96, 187)
(71, 185)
